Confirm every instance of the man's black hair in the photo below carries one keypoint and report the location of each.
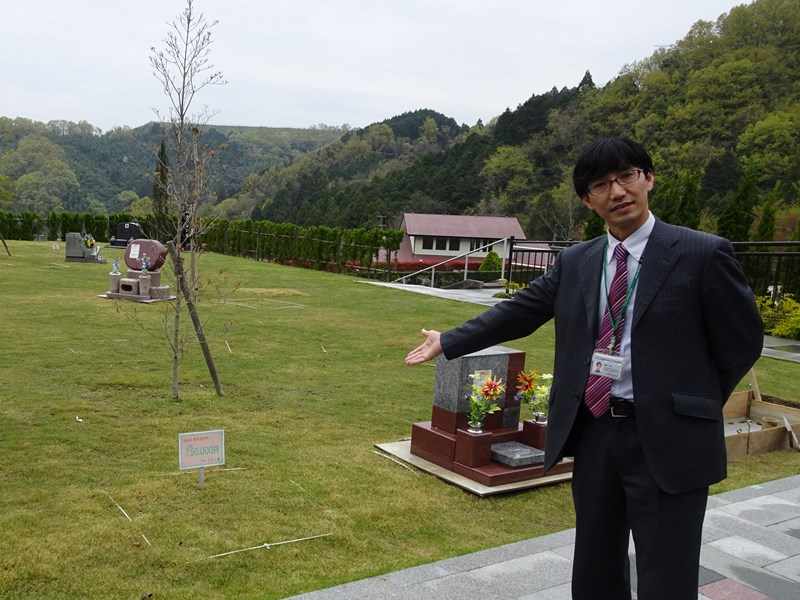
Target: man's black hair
(606, 155)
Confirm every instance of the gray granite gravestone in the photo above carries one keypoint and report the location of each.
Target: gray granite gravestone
(74, 245)
(76, 250)
(451, 388)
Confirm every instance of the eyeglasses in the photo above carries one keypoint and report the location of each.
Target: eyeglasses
(598, 188)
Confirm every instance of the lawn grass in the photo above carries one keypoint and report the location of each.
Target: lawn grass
(313, 374)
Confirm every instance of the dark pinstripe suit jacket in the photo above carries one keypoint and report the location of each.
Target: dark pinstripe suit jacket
(695, 333)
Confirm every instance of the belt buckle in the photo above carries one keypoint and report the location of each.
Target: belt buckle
(615, 415)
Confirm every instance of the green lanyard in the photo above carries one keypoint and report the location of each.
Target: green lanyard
(615, 324)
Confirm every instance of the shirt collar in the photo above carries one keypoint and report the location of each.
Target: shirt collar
(635, 242)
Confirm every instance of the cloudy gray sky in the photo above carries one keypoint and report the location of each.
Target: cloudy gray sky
(296, 63)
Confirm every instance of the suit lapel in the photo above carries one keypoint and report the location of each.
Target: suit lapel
(658, 259)
(590, 269)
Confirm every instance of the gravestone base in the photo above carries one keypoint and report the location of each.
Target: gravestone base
(132, 288)
(534, 433)
(129, 286)
(443, 449)
(155, 276)
(159, 292)
(473, 449)
(96, 259)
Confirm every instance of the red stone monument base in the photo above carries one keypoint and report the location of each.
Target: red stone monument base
(534, 433)
(496, 474)
(469, 454)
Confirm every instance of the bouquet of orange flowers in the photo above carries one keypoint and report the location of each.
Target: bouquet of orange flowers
(534, 390)
(486, 390)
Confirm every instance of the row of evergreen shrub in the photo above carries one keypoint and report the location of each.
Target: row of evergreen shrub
(316, 247)
(323, 248)
(29, 225)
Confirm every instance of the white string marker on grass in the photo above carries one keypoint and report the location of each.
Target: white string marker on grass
(267, 545)
(119, 507)
(391, 458)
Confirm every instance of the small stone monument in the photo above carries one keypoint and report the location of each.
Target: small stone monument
(142, 282)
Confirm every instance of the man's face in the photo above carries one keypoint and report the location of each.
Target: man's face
(624, 206)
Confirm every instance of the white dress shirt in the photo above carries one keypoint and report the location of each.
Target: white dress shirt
(635, 245)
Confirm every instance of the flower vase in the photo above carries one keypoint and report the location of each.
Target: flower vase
(473, 449)
(144, 285)
(534, 433)
(475, 427)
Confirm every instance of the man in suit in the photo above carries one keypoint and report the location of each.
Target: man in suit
(647, 432)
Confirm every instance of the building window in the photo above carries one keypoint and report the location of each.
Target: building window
(476, 243)
(455, 244)
(441, 243)
(427, 243)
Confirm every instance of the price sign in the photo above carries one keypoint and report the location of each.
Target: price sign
(201, 449)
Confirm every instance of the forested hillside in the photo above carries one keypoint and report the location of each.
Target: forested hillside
(62, 165)
(719, 110)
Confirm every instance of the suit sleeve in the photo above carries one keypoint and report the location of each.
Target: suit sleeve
(734, 325)
(529, 309)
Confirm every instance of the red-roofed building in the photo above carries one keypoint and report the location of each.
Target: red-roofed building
(431, 238)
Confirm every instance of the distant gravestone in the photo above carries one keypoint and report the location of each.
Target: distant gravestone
(76, 250)
(125, 233)
(74, 243)
(142, 281)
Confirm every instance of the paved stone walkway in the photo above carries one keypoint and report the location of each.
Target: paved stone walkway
(751, 551)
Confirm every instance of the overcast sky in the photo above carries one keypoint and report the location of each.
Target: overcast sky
(297, 63)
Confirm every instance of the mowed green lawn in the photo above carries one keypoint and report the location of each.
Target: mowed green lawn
(313, 375)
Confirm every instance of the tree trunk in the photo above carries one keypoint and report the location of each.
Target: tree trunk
(176, 341)
(4, 244)
(184, 289)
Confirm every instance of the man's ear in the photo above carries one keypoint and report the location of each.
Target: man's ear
(586, 202)
(651, 180)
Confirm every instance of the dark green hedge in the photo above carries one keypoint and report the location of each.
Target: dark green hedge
(322, 248)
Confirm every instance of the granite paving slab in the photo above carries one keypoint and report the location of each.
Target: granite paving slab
(748, 550)
(726, 589)
(789, 568)
(751, 551)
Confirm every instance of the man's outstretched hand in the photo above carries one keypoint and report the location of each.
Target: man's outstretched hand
(430, 348)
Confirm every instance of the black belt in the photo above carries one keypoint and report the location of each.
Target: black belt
(621, 408)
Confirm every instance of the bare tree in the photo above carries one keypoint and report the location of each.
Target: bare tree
(183, 67)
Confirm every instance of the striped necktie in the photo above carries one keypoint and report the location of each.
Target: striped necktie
(598, 388)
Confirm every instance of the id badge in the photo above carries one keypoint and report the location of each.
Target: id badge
(606, 365)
